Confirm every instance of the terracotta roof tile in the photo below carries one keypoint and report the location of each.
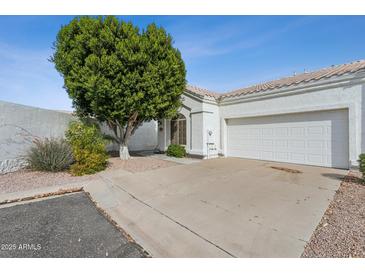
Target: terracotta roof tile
(306, 77)
(202, 91)
(324, 73)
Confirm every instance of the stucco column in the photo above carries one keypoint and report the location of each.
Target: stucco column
(224, 137)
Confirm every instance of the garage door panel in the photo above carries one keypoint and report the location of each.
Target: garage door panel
(281, 156)
(267, 154)
(316, 131)
(315, 138)
(281, 144)
(281, 132)
(267, 132)
(297, 157)
(297, 132)
(316, 158)
(317, 145)
(296, 144)
(268, 143)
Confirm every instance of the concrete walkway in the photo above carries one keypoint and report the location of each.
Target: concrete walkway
(183, 161)
(163, 156)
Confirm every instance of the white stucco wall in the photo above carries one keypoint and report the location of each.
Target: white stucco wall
(145, 138)
(20, 124)
(192, 110)
(361, 117)
(211, 123)
(348, 95)
(201, 116)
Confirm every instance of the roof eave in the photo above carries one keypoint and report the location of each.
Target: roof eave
(201, 97)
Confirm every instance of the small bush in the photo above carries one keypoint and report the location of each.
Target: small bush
(177, 151)
(362, 165)
(50, 155)
(88, 148)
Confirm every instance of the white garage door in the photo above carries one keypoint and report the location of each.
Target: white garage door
(313, 138)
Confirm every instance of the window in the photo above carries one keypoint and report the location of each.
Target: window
(178, 130)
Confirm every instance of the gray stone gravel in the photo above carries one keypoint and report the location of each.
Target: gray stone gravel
(341, 232)
(67, 226)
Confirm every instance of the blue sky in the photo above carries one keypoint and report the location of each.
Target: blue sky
(221, 53)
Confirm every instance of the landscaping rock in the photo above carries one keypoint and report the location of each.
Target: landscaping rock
(341, 232)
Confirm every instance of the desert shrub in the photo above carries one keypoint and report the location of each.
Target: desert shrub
(362, 165)
(177, 151)
(88, 148)
(50, 155)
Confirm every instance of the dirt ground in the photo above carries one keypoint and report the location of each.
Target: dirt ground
(341, 232)
(25, 179)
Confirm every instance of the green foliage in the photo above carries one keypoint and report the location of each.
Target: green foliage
(50, 155)
(177, 151)
(362, 165)
(117, 73)
(88, 148)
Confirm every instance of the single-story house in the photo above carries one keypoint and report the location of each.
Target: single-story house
(314, 118)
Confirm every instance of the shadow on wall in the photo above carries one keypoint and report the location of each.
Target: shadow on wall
(145, 138)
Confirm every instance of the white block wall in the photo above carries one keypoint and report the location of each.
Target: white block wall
(19, 125)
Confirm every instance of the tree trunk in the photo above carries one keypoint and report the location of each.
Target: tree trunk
(123, 132)
(123, 152)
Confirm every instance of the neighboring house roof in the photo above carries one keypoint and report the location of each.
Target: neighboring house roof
(302, 78)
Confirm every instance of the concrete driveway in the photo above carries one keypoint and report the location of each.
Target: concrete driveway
(226, 207)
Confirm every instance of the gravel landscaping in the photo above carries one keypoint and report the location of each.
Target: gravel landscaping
(341, 232)
(25, 179)
(139, 164)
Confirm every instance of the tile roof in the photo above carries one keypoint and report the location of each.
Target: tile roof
(302, 78)
(202, 91)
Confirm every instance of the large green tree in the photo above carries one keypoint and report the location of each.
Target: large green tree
(119, 74)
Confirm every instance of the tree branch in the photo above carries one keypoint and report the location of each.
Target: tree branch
(124, 133)
(121, 131)
(113, 127)
(137, 125)
(130, 125)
